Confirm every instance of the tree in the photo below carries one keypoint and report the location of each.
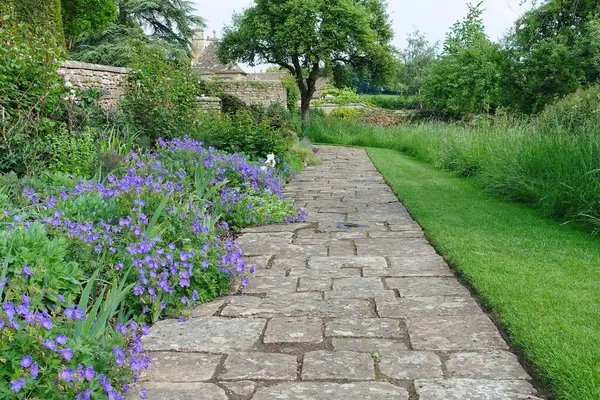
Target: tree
(553, 49)
(165, 25)
(416, 61)
(466, 79)
(308, 36)
(85, 18)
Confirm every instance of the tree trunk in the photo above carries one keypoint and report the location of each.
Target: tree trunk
(305, 109)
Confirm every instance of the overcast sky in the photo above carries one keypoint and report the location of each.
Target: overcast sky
(432, 17)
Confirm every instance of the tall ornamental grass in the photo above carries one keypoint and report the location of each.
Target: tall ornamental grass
(544, 163)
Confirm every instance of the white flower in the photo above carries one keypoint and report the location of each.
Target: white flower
(271, 160)
(68, 84)
(263, 168)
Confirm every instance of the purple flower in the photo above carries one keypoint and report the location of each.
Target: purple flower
(74, 313)
(67, 354)
(60, 298)
(35, 369)
(66, 375)
(143, 393)
(89, 373)
(87, 395)
(27, 271)
(61, 339)
(26, 362)
(17, 384)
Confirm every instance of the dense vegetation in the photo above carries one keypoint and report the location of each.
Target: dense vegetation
(112, 218)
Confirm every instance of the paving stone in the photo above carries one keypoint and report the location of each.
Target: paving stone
(310, 234)
(181, 367)
(413, 266)
(367, 345)
(358, 284)
(413, 234)
(183, 391)
(261, 366)
(321, 264)
(322, 365)
(314, 284)
(256, 244)
(461, 389)
(381, 295)
(261, 262)
(366, 328)
(422, 287)
(410, 364)
(294, 330)
(473, 332)
(332, 273)
(207, 309)
(488, 365)
(349, 235)
(271, 285)
(289, 263)
(276, 228)
(211, 335)
(341, 248)
(240, 388)
(290, 307)
(416, 307)
(393, 247)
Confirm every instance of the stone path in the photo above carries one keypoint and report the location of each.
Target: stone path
(337, 312)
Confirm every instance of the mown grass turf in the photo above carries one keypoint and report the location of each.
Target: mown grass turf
(541, 278)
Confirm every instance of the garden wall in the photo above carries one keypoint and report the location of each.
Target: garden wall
(112, 80)
(255, 92)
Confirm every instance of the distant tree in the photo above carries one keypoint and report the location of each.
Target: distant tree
(553, 49)
(85, 18)
(466, 79)
(165, 25)
(307, 36)
(416, 60)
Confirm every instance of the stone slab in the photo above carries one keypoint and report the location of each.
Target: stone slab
(276, 228)
(461, 389)
(183, 391)
(332, 391)
(308, 284)
(290, 307)
(393, 247)
(370, 346)
(181, 367)
(331, 365)
(422, 287)
(358, 284)
(410, 364)
(271, 285)
(240, 388)
(261, 366)
(413, 266)
(469, 333)
(207, 309)
(404, 307)
(366, 328)
(488, 365)
(210, 335)
(294, 330)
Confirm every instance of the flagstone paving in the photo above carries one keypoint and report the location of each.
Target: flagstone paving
(365, 310)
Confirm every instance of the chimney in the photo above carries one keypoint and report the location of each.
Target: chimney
(198, 44)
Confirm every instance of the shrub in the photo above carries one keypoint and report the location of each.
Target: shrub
(573, 113)
(161, 97)
(346, 114)
(293, 93)
(75, 152)
(231, 104)
(340, 96)
(392, 102)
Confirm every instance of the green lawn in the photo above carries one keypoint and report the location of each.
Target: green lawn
(541, 278)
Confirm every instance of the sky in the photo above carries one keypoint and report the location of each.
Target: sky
(431, 17)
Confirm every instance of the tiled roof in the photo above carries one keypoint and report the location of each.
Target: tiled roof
(209, 63)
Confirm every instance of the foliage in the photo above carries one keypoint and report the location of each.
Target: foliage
(41, 18)
(519, 263)
(85, 18)
(416, 61)
(340, 96)
(231, 104)
(82, 261)
(293, 93)
(466, 79)
(163, 26)
(303, 37)
(538, 162)
(577, 113)
(346, 114)
(161, 97)
(76, 152)
(392, 102)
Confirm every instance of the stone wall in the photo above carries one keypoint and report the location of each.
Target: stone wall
(110, 80)
(255, 92)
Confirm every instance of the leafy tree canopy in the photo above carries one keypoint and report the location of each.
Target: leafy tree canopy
(85, 18)
(307, 36)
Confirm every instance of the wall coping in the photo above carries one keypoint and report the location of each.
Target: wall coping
(94, 67)
(207, 99)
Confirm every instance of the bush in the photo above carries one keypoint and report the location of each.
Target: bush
(231, 104)
(293, 93)
(392, 102)
(340, 96)
(76, 152)
(573, 113)
(346, 114)
(161, 97)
